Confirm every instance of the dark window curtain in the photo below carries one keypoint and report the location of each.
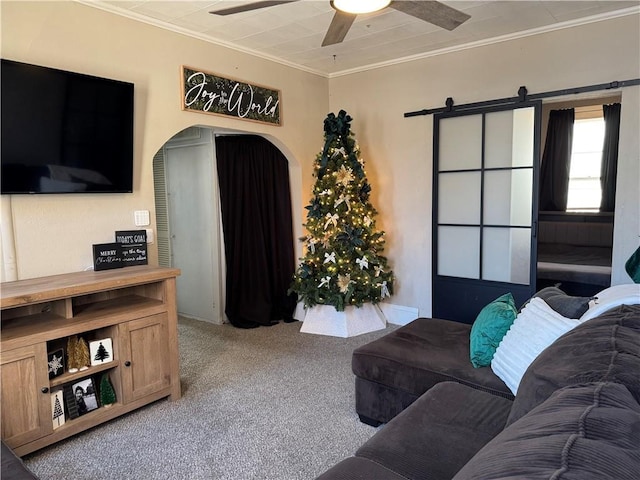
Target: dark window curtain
(255, 200)
(556, 161)
(609, 167)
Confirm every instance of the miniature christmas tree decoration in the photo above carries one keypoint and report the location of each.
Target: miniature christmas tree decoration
(107, 394)
(101, 354)
(83, 358)
(72, 347)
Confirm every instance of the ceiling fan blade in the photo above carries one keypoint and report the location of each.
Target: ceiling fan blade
(340, 25)
(249, 6)
(433, 12)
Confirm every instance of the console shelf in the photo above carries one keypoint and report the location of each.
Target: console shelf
(133, 306)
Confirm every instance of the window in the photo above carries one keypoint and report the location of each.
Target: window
(585, 191)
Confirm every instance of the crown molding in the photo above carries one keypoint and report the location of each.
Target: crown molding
(174, 28)
(490, 41)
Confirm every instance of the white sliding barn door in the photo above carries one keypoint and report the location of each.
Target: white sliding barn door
(485, 207)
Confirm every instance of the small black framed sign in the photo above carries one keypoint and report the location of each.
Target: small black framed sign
(208, 92)
(107, 256)
(133, 246)
(55, 362)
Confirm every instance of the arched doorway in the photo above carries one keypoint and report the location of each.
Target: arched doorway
(188, 216)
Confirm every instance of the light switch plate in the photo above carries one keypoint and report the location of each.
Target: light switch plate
(141, 218)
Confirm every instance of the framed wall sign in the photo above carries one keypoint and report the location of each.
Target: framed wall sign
(207, 92)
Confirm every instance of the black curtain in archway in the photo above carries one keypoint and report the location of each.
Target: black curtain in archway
(556, 161)
(609, 169)
(257, 224)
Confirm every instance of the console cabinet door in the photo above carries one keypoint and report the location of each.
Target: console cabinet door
(145, 354)
(25, 397)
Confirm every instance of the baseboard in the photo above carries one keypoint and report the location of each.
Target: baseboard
(398, 314)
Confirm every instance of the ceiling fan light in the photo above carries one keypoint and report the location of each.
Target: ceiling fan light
(360, 6)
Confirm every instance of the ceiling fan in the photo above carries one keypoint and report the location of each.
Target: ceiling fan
(430, 11)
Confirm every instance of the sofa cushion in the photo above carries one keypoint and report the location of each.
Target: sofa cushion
(536, 327)
(354, 468)
(435, 436)
(581, 432)
(566, 305)
(489, 327)
(421, 354)
(606, 348)
(605, 300)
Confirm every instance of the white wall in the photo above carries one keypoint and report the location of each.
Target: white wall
(398, 150)
(54, 233)
(626, 227)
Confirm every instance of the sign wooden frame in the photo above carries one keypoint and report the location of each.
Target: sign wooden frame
(209, 93)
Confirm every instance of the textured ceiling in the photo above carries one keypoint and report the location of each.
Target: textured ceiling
(292, 33)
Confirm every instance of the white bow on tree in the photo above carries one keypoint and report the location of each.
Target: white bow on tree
(331, 219)
(363, 262)
(312, 245)
(339, 151)
(330, 258)
(343, 199)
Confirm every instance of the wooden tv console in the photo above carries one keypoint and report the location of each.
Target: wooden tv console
(133, 306)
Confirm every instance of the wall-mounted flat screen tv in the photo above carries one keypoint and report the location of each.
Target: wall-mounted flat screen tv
(64, 132)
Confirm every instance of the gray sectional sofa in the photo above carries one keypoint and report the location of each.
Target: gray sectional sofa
(576, 414)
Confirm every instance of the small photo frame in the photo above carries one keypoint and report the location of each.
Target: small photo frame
(55, 362)
(101, 351)
(85, 397)
(57, 408)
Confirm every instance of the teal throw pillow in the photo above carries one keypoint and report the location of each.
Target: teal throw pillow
(491, 324)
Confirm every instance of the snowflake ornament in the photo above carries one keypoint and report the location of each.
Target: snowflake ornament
(55, 364)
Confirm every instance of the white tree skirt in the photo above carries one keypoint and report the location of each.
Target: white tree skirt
(326, 320)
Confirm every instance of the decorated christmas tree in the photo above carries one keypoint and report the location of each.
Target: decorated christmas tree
(343, 263)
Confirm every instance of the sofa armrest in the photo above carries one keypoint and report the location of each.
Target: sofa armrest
(12, 466)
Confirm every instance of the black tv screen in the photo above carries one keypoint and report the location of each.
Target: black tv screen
(64, 132)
